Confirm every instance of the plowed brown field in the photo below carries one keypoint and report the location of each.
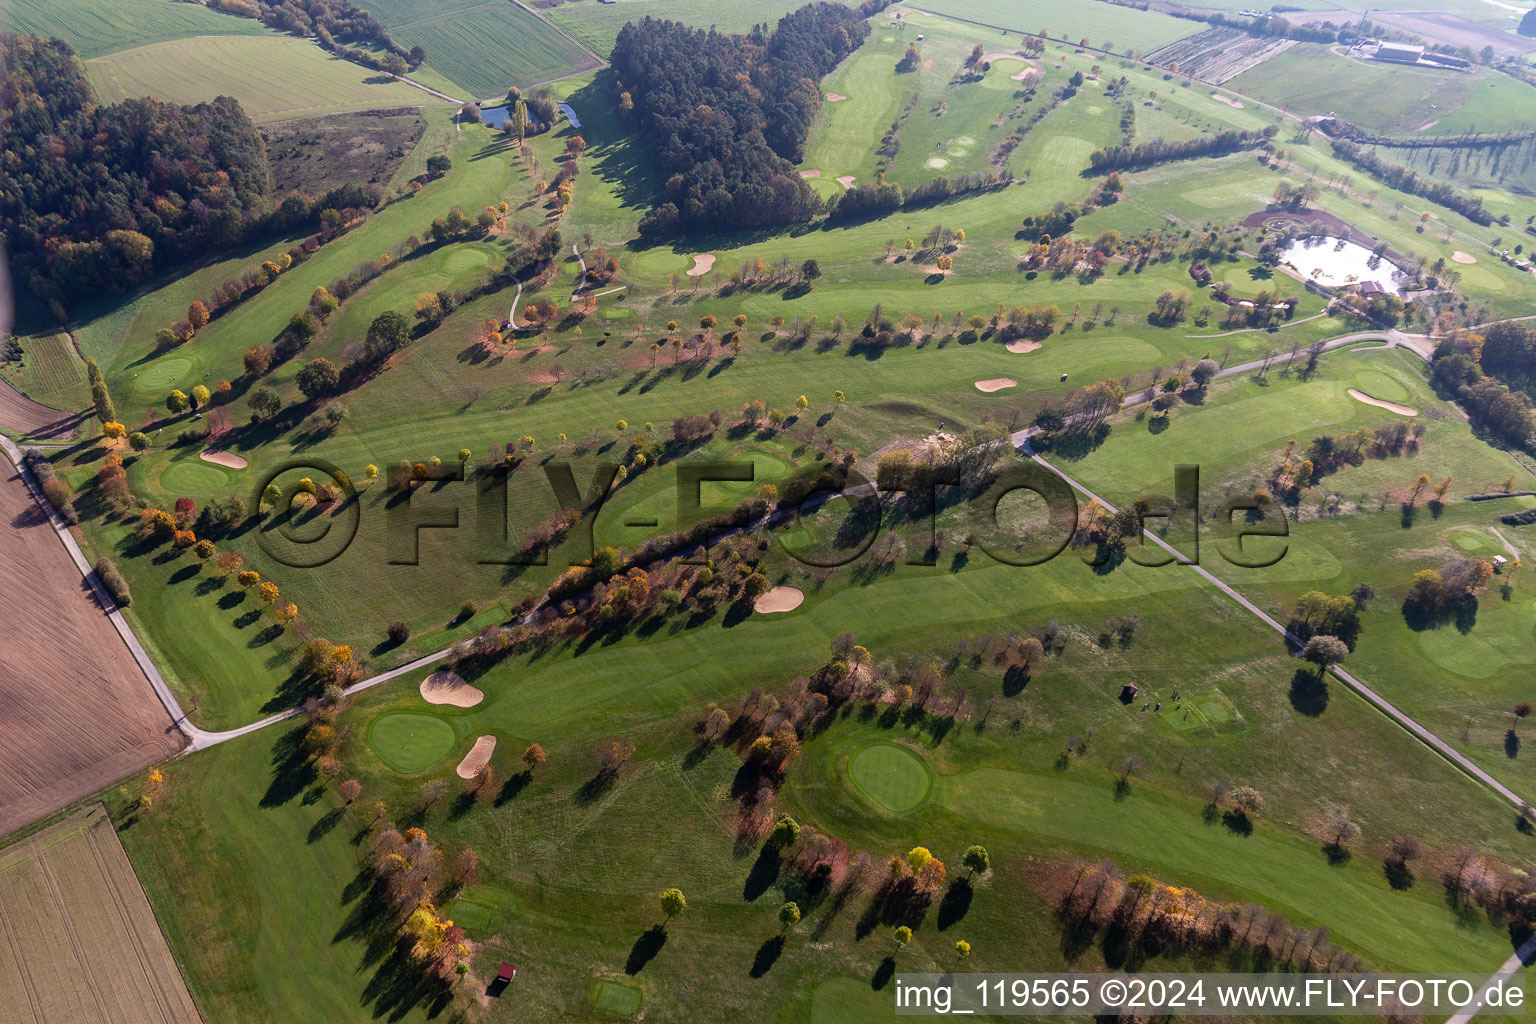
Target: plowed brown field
(76, 712)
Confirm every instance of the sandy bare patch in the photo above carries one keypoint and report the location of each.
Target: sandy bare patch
(1401, 410)
(810, 174)
(478, 757)
(219, 457)
(1228, 100)
(846, 181)
(702, 261)
(450, 688)
(779, 599)
(79, 714)
(1022, 345)
(835, 97)
(928, 63)
(1463, 257)
(988, 58)
(1025, 75)
(996, 384)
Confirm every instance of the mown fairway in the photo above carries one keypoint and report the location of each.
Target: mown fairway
(274, 78)
(483, 47)
(95, 30)
(81, 942)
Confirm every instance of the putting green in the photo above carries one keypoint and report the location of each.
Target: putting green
(616, 997)
(1461, 653)
(891, 777)
(195, 477)
(938, 163)
(766, 468)
(1381, 385)
(463, 259)
(841, 1000)
(1474, 541)
(165, 374)
(409, 742)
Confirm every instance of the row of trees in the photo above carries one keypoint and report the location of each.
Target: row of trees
(1157, 151)
(1407, 180)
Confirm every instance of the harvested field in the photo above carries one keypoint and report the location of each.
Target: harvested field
(1441, 27)
(1218, 55)
(314, 155)
(79, 714)
(78, 940)
(478, 757)
(21, 414)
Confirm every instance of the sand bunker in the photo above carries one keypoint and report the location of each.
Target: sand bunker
(218, 457)
(1228, 100)
(835, 97)
(810, 174)
(701, 264)
(448, 688)
(1025, 75)
(779, 599)
(1463, 257)
(1401, 410)
(846, 181)
(996, 384)
(988, 58)
(1022, 345)
(478, 757)
(927, 63)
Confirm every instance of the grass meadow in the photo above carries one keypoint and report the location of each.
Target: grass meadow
(95, 30)
(483, 47)
(275, 78)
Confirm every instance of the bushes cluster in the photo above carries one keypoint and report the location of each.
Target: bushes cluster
(55, 489)
(113, 581)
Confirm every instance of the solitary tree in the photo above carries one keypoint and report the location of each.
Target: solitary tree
(350, 790)
(962, 948)
(1247, 800)
(1338, 828)
(976, 860)
(1325, 651)
(533, 757)
(673, 902)
(433, 790)
(902, 935)
(789, 916)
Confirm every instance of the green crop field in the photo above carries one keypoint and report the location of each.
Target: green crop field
(49, 371)
(95, 30)
(900, 703)
(483, 47)
(597, 24)
(274, 78)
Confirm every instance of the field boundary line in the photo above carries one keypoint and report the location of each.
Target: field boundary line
(602, 62)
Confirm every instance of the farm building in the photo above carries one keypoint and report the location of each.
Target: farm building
(1400, 53)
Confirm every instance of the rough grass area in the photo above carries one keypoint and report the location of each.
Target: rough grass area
(274, 78)
(597, 24)
(1117, 28)
(483, 47)
(96, 29)
(315, 155)
(83, 941)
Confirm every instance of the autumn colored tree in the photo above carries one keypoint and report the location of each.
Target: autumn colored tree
(789, 916)
(285, 612)
(673, 902)
(533, 757)
(176, 402)
(197, 315)
(267, 592)
(257, 360)
(350, 790)
(248, 579)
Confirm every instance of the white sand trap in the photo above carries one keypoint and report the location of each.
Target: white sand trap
(835, 97)
(701, 264)
(1463, 257)
(779, 599)
(1401, 410)
(846, 180)
(449, 688)
(1025, 75)
(1228, 100)
(219, 457)
(810, 174)
(988, 58)
(1022, 345)
(938, 163)
(478, 757)
(996, 384)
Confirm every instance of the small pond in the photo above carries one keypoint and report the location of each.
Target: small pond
(1336, 261)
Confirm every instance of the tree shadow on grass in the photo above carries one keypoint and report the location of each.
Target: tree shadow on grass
(1399, 875)
(956, 903)
(1237, 823)
(883, 974)
(328, 821)
(514, 785)
(765, 871)
(1309, 692)
(767, 955)
(292, 771)
(645, 949)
